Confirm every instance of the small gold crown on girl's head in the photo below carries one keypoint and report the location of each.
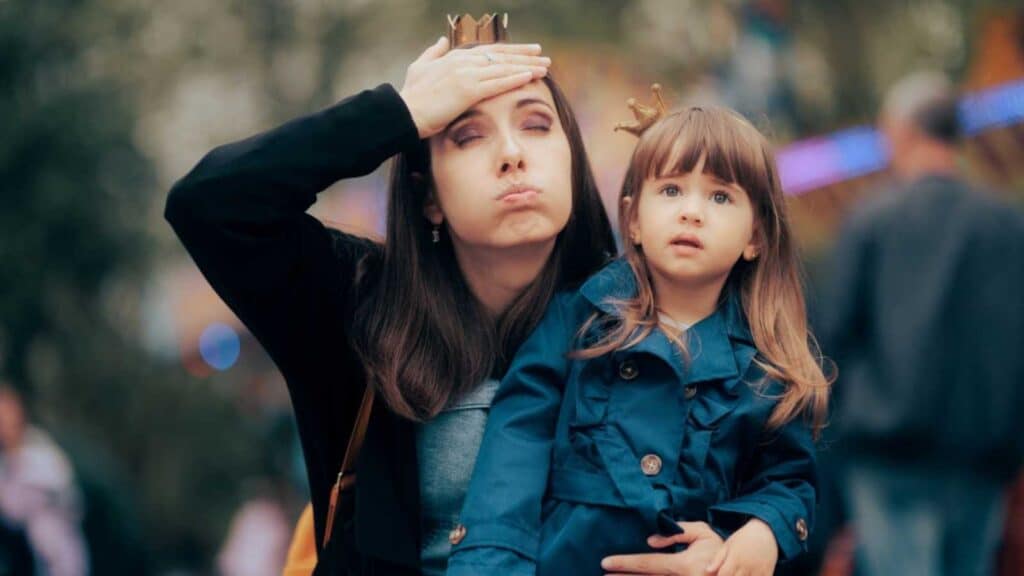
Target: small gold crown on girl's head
(646, 116)
(489, 29)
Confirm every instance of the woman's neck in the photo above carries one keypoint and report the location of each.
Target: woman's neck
(686, 303)
(497, 276)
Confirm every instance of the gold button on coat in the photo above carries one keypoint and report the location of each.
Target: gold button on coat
(690, 391)
(650, 464)
(801, 529)
(628, 370)
(457, 534)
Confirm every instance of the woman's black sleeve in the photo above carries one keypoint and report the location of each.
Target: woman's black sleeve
(241, 214)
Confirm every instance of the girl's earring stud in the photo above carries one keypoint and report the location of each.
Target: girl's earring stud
(435, 234)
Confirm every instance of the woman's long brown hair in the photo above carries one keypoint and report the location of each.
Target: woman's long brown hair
(770, 287)
(422, 336)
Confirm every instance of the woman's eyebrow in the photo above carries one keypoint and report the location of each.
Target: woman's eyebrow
(471, 113)
(528, 101)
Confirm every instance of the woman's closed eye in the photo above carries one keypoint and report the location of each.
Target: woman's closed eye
(464, 134)
(537, 122)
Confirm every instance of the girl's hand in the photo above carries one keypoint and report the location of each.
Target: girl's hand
(750, 551)
(443, 83)
(703, 543)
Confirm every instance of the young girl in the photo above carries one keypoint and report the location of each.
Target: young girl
(677, 386)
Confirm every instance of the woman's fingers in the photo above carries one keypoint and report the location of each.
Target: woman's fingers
(639, 564)
(716, 564)
(503, 70)
(489, 88)
(491, 59)
(434, 51)
(443, 83)
(523, 49)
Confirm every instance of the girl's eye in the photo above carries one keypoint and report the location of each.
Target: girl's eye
(720, 197)
(671, 191)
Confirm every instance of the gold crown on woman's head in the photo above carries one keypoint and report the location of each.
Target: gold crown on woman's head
(489, 29)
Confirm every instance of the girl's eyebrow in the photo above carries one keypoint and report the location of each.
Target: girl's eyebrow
(725, 183)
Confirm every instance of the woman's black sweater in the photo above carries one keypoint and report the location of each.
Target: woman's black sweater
(241, 214)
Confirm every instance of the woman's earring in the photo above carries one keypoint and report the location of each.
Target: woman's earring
(435, 234)
(750, 255)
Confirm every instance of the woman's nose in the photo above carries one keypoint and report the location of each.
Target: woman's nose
(511, 159)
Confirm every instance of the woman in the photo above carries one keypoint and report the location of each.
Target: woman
(492, 209)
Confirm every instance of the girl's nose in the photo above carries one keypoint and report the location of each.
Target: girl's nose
(692, 209)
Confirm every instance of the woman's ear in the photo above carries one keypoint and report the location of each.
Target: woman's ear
(634, 223)
(432, 210)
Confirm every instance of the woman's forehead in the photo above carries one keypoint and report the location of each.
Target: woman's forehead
(535, 91)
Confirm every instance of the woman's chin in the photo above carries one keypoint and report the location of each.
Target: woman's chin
(524, 230)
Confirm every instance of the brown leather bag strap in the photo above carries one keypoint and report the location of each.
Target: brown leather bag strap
(355, 443)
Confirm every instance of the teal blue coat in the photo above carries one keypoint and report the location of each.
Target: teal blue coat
(587, 458)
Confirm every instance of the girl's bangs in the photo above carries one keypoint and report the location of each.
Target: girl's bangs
(734, 149)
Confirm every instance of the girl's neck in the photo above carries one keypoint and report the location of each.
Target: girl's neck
(497, 276)
(687, 303)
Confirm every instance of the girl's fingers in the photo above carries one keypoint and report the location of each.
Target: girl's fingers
(692, 531)
(701, 529)
(659, 541)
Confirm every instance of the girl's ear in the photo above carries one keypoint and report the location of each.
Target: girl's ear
(750, 252)
(634, 222)
(753, 248)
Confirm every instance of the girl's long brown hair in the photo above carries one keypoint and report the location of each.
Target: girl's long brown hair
(422, 336)
(770, 287)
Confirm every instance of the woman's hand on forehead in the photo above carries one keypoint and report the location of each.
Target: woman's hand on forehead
(443, 83)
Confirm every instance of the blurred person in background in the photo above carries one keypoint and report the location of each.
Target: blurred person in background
(38, 494)
(925, 320)
(258, 537)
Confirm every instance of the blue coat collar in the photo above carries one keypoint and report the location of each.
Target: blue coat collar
(720, 346)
